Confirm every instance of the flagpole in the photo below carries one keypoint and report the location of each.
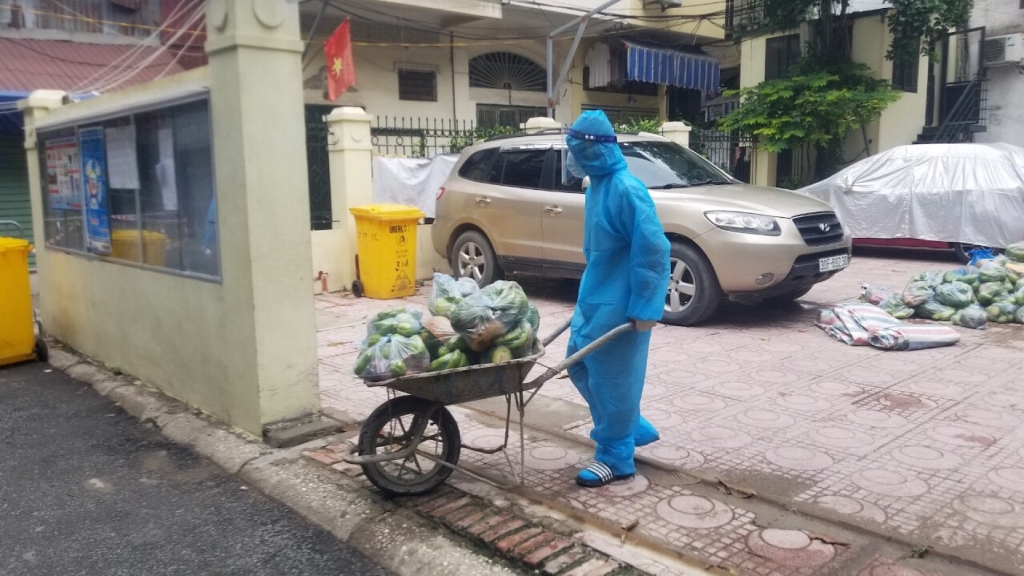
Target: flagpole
(312, 31)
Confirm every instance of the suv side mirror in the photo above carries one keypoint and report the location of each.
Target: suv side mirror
(586, 182)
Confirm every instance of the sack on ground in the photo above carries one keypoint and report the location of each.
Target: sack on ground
(973, 316)
(966, 274)
(874, 295)
(1001, 312)
(992, 272)
(989, 292)
(956, 294)
(917, 293)
(392, 357)
(933, 310)
(932, 278)
(895, 306)
(1015, 252)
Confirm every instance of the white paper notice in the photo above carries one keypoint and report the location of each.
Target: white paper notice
(165, 169)
(122, 162)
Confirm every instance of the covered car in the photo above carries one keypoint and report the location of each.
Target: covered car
(957, 196)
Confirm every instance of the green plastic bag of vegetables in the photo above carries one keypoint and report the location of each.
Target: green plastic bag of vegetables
(933, 310)
(956, 294)
(992, 272)
(917, 293)
(1018, 296)
(895, 307)
(490, 313)
(932, 278)
(1018, 316)
(392, 357)
(533, 317)
(399, 321)
(447, 292)
(1001, 312)
(519, 340)
(973, 316)
(989, 292)
(966, 274)
(1015, 252)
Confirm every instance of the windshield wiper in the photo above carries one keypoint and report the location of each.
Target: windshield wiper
(670, 186)
(708, 182)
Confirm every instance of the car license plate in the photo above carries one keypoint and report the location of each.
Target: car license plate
(833, 263)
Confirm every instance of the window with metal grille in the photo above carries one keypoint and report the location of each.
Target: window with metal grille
(506, 71)
(780, 54)
(904, 72)
(418, 85)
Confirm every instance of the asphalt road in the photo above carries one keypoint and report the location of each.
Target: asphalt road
(87, 490)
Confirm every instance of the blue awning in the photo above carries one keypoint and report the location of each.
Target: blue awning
(671, 67)
(11, 121)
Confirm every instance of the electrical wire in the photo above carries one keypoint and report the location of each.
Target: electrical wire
(91, 20)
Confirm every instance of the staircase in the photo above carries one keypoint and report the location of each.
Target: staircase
(966, 117)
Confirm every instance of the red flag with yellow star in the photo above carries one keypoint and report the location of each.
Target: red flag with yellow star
(340, 72)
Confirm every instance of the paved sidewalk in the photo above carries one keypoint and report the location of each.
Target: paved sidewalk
(924, 447)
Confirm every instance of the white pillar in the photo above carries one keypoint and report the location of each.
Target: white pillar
(259, 142)
(678, 132)
(350, 150)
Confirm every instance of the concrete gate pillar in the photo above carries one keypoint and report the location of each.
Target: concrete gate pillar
(678, 132)
(350, 150)
(259, 142)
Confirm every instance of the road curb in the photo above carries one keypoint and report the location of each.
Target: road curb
(403, 540)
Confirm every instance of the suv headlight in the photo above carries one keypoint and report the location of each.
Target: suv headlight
(745, 223)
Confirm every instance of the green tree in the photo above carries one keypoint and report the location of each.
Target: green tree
(827, 96)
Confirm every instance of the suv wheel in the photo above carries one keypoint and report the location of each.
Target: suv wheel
(473, 257)
(693, 290)
(963, 251)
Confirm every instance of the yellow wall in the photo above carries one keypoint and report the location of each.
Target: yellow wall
(898, 125)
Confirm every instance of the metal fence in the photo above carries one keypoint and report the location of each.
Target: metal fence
(730, 151)
(318, 167)
(420, 137)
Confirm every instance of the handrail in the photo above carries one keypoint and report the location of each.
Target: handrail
(959, 117)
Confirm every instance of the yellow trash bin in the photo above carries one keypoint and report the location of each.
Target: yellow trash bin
(386, 244)
(125, 246)
(17, 334)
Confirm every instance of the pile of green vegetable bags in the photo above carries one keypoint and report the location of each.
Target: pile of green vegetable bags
(971, 296)
(469, 326)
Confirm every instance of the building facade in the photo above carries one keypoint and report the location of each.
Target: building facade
(1005, 79)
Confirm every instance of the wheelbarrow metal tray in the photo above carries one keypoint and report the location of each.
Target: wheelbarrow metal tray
(467, 384)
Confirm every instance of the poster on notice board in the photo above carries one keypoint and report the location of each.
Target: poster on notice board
(63, 174)
(94, 174)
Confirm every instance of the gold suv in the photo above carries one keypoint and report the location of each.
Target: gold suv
(505, 208)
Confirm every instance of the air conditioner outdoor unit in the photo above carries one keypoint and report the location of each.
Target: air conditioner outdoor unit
(1004, 50)
(664, 3)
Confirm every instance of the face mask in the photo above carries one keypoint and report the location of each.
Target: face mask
(574, 167)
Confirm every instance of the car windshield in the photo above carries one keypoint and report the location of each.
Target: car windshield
(664, 165)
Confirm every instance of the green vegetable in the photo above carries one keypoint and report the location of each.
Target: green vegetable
(992, 272)
(933, 310)
(989, 292)
(971, 317)
(441, 363)
(955, 294)
(1018, 316)
(458, 359)
(1019, 285)
(362, 363)
(1001, 312)
(444, 307)
(516, 338)
(1018, 296)
(398, 368)
(895, 307)
(967, 274)
(932, 278)
(490, 313)
(455, 343)
(533, 317)
(917, 293)
(391, 313)
(372, 341)
(1015, 252)
(497, 355)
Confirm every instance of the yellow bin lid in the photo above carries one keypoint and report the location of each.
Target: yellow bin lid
(14, 244)
(388, 212)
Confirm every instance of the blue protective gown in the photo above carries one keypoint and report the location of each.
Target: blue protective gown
(626, 278)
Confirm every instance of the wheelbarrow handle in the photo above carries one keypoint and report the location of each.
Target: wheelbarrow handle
(580, 354)
(558, 332)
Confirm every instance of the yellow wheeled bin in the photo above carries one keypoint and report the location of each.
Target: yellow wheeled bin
(18, 340)
(386, 250)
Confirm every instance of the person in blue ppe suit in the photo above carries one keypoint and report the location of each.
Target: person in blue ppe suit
(626, 280)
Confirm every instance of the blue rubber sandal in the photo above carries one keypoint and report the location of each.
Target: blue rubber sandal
(597, 475)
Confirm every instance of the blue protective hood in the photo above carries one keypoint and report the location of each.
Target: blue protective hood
(600, 156)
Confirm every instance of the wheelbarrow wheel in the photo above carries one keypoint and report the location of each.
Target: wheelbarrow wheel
(388, 430)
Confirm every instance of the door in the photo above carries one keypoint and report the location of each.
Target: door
(562, 219)
(508, 205)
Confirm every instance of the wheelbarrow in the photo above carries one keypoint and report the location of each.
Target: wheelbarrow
(411, 444)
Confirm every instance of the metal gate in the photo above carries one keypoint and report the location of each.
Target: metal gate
(318, 167)
(730, 151)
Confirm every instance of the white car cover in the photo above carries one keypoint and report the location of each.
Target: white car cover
(969, 193)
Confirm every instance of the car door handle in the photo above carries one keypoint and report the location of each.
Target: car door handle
(483, 200)
(553, 209)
